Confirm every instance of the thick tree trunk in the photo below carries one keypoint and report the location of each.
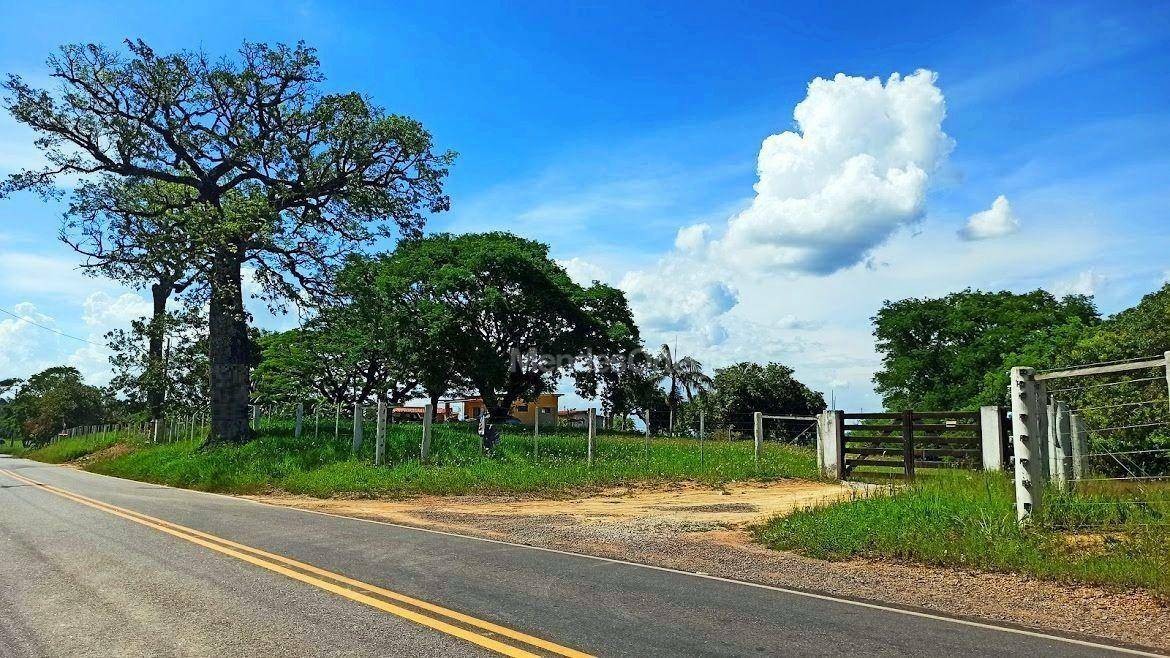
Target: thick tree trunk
(501, 409)
(228, 343)
(156, 367)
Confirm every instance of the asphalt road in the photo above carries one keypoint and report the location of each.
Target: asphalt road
(91, 565)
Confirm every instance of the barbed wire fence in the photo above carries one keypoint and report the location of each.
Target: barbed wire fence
(1101, 443)
(745, 442)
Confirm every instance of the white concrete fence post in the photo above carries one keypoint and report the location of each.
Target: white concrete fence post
(536, 431)
(828, 458)
(425, 450)
(358, 416)
(1052, 445)
(1029, 435)
(300, 420)
(1062, 474)
(646, 446)
(1080, 447)
(1166, 366)
(380, 437)
(991, 431)
(592, 434)
(702, 434)
(758, 431)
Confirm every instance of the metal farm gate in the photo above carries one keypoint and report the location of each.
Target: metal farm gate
(909, 440)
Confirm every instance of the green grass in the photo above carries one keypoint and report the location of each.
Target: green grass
(327, 467)
(967, 519)
(12, 447)
(72, 448)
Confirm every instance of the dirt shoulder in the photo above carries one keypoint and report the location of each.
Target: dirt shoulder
(700, 529)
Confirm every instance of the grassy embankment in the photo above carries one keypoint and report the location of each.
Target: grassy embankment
(327, 467)
(967, 519)
(72, 448)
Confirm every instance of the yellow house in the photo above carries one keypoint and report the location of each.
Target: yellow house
(547, 404)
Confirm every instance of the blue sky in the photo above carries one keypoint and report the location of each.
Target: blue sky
(604, 129)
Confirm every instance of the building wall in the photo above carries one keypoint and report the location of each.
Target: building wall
(522, 410)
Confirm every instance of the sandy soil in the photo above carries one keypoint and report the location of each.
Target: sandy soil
(706, 530)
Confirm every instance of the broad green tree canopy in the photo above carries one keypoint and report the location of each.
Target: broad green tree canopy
(54, 399)
(936, 351)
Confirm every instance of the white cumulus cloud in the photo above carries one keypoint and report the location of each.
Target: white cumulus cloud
(583, 272)
(678, 296)
(692, 238)
(22, 344)
(1090, 282)
(995, 222)
(104, 312)
(855, 171)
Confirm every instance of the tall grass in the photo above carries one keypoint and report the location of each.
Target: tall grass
(72, 448)
(967, 519)
(325, 466)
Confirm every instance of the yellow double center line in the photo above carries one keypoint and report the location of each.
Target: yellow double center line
(457, 624)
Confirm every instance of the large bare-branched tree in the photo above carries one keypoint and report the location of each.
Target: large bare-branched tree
(285, 177)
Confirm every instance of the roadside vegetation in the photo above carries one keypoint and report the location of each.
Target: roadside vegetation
(327, 467)
(73, 448)
(967, 520)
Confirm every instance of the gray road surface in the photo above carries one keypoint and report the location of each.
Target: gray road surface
(75, 580)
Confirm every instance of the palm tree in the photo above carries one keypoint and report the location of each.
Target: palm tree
(691, 376)
(669, 368)
(685, 373)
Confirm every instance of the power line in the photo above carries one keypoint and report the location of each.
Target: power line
(59, 333)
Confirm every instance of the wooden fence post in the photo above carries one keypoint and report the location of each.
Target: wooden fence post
(758, 432)
(908, 442)
(358, 417)
(425, 450)
(592, 434)
(380, 436)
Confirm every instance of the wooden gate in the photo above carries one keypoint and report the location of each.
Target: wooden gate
(909, 440)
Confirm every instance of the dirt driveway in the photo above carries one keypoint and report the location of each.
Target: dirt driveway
(705, 530)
